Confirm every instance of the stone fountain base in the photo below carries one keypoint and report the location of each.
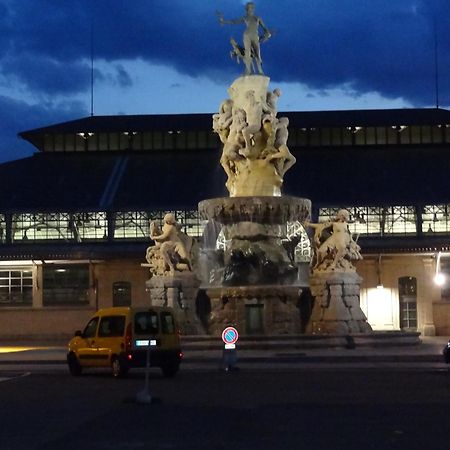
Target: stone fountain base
(178, 291)
(268, 310)
(336, 308)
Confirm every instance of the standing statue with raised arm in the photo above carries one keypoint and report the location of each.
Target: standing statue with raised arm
(251, 38)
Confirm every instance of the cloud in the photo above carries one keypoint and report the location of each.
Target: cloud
(372, 45)
(20, 116)
(50, 76)
(366, 49)
(123, 77)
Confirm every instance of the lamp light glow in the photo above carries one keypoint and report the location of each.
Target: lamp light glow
(439, 279)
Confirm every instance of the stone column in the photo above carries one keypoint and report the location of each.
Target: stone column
(336, 307)
(178, 291)
(425, 302)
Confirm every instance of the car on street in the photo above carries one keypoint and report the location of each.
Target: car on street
(125, 337)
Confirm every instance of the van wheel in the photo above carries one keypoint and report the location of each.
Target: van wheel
(74, 365)
(169, 370)
(119, 368)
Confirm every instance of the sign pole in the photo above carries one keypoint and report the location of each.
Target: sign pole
(230, 336)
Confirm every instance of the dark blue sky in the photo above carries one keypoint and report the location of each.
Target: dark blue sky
(159, 56)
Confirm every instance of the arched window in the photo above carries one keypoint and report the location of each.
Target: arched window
(122, 293)
(407, 290)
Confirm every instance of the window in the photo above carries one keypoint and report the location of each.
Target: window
(66, 285)
(131, 225)
(16, 287)
(167, 323)
(146, 323)
(435, 219)
(407, 290)
(122, 293)
(111, 326)
(91, 328)
(297, 236)
(42, 227)
(2, 228)
(91, 225)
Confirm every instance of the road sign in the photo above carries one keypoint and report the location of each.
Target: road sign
(230, 335)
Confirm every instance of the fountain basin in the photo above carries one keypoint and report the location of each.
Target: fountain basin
(259, 209)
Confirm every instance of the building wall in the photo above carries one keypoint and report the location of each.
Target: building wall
(41, 322)
(382, 306)
(109, 272)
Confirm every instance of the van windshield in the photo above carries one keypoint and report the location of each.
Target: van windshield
(146, 322)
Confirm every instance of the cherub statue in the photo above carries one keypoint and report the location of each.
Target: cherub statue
(334, 244)
(254, 112)
(251, 37)
(222, 120)
(172, 246)
(271, 102)
(235, 142)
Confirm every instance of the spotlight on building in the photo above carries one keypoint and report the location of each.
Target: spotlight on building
(439, 279)
(379, 282)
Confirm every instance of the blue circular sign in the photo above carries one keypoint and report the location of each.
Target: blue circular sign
(230, 335)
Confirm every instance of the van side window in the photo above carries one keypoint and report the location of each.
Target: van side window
(167, 323)
(91, 328)
(146, 322)
(111, 326)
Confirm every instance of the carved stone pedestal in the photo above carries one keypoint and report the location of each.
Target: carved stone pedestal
(178, 291)
(336, 308)
(278, 313)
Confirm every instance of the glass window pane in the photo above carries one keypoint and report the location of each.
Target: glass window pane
(66, 284)
(121, 293)
(167, 323)
(145, 323)
(111, 326)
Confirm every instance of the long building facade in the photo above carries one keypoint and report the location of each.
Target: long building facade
(74, 216)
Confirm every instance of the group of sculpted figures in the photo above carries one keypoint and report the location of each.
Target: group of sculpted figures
(333, 242)
(253, 133)
(335, 248)
(253, 139)
(173, 248)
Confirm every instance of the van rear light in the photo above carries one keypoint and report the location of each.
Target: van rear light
(128, 338)
(181, 355)
(129, 356)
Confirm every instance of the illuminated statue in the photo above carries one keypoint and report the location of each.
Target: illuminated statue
(334, 244)
(172, 249)
(251, 39)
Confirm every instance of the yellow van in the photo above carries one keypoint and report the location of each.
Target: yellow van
(118, 338)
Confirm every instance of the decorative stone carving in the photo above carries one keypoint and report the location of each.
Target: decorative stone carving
(173, 249)
(178, 291)
(255, 154)
(336, 307)
(281, 315)
(250, 53)
(335, 248)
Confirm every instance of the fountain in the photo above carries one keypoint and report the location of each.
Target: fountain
(247, 261)
(252, 278)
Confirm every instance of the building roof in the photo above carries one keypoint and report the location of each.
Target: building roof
(203, 122)
(179, 179)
